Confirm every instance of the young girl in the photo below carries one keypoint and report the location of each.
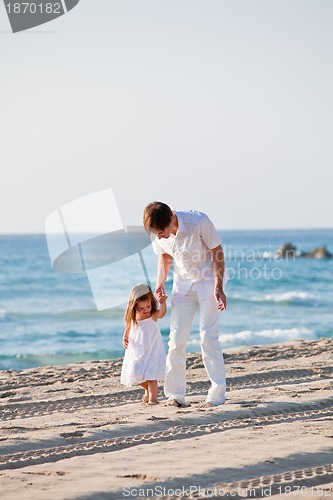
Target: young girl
(144, 360)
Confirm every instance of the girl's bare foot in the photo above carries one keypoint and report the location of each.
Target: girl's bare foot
(145, 398)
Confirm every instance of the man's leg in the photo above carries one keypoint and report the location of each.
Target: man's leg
(211, 350)
(181, 320)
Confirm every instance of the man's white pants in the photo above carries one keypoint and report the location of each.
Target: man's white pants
(181, 321)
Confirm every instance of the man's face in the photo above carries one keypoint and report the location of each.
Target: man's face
(163, 234)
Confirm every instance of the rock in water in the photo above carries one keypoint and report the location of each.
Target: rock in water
(287, 251)
(320, 253)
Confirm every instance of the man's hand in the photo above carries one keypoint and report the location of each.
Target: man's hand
(160, 291)
(161, 297)
(220, 298)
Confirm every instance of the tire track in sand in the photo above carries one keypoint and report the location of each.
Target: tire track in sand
(295, 482)
(292, 412)
(13, 411)
(99, 370)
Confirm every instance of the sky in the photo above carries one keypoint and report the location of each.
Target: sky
(223, 106)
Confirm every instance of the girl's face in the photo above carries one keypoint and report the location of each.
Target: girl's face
(143, 309)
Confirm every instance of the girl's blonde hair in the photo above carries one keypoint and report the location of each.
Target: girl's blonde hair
(134, 298)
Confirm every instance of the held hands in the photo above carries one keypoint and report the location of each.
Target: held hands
(160, 293)
(220, 298)
(161, 297)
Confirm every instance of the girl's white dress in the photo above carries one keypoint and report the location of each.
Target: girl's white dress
(145, 356)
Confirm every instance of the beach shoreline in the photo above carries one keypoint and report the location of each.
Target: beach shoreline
(72, 431)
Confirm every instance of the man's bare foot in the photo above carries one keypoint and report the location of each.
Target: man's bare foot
(173, 402)
(207, 406)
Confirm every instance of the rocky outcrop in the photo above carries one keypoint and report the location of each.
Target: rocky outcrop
(318, 253)
(289, 251)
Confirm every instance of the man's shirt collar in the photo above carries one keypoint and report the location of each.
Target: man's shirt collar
(181, 225)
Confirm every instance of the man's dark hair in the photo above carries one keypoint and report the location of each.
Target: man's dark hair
(157, 216)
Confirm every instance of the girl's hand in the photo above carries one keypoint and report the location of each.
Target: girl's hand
(125, 342)
(161, 297)
(160, 290)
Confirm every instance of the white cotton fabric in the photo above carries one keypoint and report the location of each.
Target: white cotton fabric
(190, 249)
(145, 356)
(181, 320)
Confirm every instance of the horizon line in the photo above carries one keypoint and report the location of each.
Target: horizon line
(218, 229)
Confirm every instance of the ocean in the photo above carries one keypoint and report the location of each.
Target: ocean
(50, 318)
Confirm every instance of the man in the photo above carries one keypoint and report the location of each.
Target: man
(190, 240)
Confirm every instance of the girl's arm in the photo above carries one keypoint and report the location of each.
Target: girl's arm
(125, 337)
(163, 307)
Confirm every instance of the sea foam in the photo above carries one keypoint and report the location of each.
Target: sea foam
(291, 297)
(249, 337)
(294, 296)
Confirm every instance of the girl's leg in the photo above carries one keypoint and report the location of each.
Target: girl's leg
(145, 398)
(152, 390)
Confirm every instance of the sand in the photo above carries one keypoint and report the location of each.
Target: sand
(74, 432)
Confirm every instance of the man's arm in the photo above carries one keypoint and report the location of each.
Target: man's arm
(219, 267)
(163, 268)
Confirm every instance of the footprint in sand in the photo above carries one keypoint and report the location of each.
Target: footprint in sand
(67, 435)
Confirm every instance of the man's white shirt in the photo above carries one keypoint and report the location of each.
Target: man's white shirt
(191, 250)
